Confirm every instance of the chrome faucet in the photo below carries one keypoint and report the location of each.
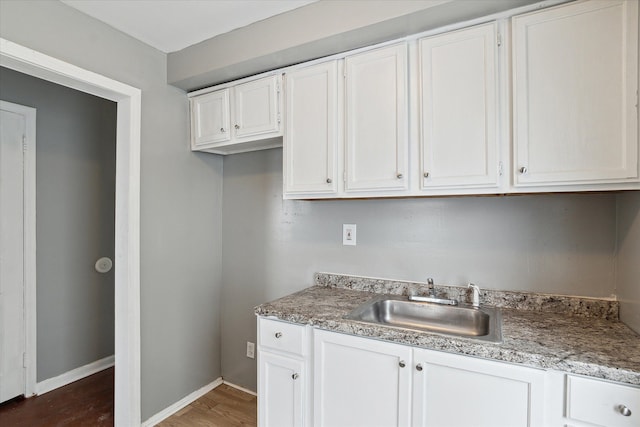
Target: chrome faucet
(475, 295)
(432, 296)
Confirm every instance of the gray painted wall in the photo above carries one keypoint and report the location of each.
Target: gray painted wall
(628, 259)
(75, 185)
(559, 243)
(180, 199)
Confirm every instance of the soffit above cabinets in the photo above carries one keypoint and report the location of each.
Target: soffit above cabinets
(171, 25)
(317, 30)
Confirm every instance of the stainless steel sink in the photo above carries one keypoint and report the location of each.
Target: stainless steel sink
(482, 323)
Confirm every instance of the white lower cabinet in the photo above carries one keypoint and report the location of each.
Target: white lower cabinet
(360, 382)
(451, 390)
(601, 403)
(283, 374)
(308, 376)
(281, 390)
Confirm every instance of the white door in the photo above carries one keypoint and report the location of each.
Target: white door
(376, 120)
(460, 391)
(210, 119)
(360, 382)
(310, 142)
(458, 109)
(257, 107)
(281, 391)
(575, 94)
(12, 332)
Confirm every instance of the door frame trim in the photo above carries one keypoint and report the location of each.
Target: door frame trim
(29, 240)
(127, 402)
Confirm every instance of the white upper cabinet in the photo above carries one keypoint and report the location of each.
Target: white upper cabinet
(257, 107)
(376, 120)
(575, 80)
(239, 118)
(458, 109)
(311, 130)
(210, 119)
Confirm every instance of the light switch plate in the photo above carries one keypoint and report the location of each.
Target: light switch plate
(349, 234)
(251, 350)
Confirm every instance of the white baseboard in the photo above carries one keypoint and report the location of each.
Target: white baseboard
(74, 375)
(237, 387)
(170, 410)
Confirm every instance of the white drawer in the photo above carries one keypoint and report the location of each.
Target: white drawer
(602, 403)
(282, 336)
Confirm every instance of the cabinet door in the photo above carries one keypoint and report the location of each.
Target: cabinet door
(257, 107)
(575, 82)
(376, 120)
(311, 137)
(281, 385)
(602, 403)
(460, 391)
(360, 382)
(458, 115)
(210, 119)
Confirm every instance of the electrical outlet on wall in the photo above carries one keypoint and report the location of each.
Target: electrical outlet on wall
(251, 350)
(349, 234)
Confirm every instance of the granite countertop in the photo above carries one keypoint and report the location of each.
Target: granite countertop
(575, 335)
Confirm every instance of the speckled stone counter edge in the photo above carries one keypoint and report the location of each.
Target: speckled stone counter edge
(560, 304)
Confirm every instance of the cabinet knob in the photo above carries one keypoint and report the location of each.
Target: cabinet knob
(402, 364)
(626, 412)
(419, 367)
(237, 126)
(399, 176)
(523, 170)
(294, 376)
(328, 180)
(278, 334)
(426, 174)
(222, 130)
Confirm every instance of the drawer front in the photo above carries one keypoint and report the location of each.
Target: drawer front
(282, 336)
(602, 403)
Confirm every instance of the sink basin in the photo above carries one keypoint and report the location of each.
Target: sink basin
(482, 323)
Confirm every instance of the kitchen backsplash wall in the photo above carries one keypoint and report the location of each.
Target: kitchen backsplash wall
(554, 243)
(628, 258)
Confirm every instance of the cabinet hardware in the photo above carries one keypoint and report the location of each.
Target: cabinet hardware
(328, 180)
(278, 334)
(419, 367)
(237, 126)
(523, 170)
(399, 176)
(426, 174)
(294, 376)
(222, 130)
(626, 412)
(402, 364)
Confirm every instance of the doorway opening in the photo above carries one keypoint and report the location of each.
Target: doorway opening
(127, 216)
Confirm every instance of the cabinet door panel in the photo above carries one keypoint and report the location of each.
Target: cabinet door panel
(280, 391)
(358, 382)
(458, 108)
(257, 107)
(311, 138)
(210, 118)
(575, 83)
(458, 391)
(376, 120)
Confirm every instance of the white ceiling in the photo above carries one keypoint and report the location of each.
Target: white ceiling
(171, 25)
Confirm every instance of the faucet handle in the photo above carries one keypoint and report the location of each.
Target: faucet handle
(475, 295)
(430, 281)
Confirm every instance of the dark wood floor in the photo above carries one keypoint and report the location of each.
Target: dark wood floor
(88, 402)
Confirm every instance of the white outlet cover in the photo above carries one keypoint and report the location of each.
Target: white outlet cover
(349, 234)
